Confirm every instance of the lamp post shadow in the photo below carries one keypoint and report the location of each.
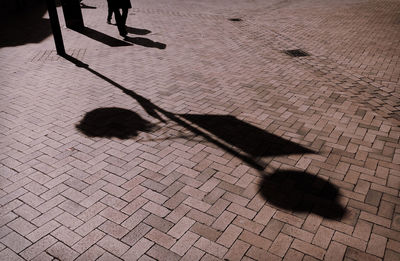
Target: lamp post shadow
(291, 190)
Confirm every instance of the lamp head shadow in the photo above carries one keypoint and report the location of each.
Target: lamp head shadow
(113, 122)
(302, 192)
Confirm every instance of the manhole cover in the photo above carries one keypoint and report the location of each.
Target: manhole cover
(235, 19)
(296, 53)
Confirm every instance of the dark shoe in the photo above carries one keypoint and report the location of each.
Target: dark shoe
(108, 21)
(123, 34)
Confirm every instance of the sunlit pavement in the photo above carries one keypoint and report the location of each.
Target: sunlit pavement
(199, 137)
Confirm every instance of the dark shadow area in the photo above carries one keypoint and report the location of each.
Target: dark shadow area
(233, 132)
(24, 25)
(101, 37)
(137, 31)
(84, 6)
(113, 122)
(302, 192)
(250, 139)
(292, 190)
(145, 42)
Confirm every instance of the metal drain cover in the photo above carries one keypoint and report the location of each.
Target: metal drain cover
(296, 53)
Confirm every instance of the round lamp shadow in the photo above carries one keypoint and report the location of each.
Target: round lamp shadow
(113, 122)
(302, 192)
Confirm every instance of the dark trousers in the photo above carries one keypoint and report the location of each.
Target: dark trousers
(120, 18)
(110, 12)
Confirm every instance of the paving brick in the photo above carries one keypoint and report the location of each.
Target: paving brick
(185, 242)
(113, 245)
(323, 237)
(113, 229)
(113, 215)
(161, 238)
(280, 246)
(181, 227)
(193, 254)
(264, 215)
(200, 217)
(43, 257)
(42, 231)
(308, 249)
(91, 211)
(68, 220)
(21, 226)
(245, 212)
(255, 240)
(66, 235)
(71, 207)
(90, 225)
(135, 234)
(38, 247)
(359, 255)
(88, 241)
(290, 219)
(108, 257)
(175, 200)
(15, 242)
(272, 229)
(159, 223)
(375, 219)
(229, 236)
(62, 252)
(156, 209)
(293, 255)
(205, 231)
(377, 245)
(93, 253)
(350, 241)
(223, 220)
(298, 233)
(178, 213)
(261, 254)
(8, 254)
(159, 253)
(211, 247)
(136, 251)
(197, 204)
(237, 251)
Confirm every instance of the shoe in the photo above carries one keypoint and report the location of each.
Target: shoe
(108, 21)
(123, 34)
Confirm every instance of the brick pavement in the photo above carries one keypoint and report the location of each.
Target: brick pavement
(228, 148)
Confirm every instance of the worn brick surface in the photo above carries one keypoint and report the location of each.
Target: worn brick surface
(252, 154)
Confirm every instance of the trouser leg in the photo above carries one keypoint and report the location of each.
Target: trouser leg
(124, 15)
(110, 12)
(109, 16)
(120, 22)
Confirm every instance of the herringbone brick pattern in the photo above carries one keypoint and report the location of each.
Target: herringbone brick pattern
(198, 138)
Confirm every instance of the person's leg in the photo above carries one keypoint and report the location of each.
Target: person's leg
(124, 15)
(120, 22)
(109, 16)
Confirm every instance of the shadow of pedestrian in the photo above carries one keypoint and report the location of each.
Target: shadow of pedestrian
(137, 31)
(113, 122)
(101, 37)
(145, 42)
(302, 192)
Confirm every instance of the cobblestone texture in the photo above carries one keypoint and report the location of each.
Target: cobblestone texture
(234, 150)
